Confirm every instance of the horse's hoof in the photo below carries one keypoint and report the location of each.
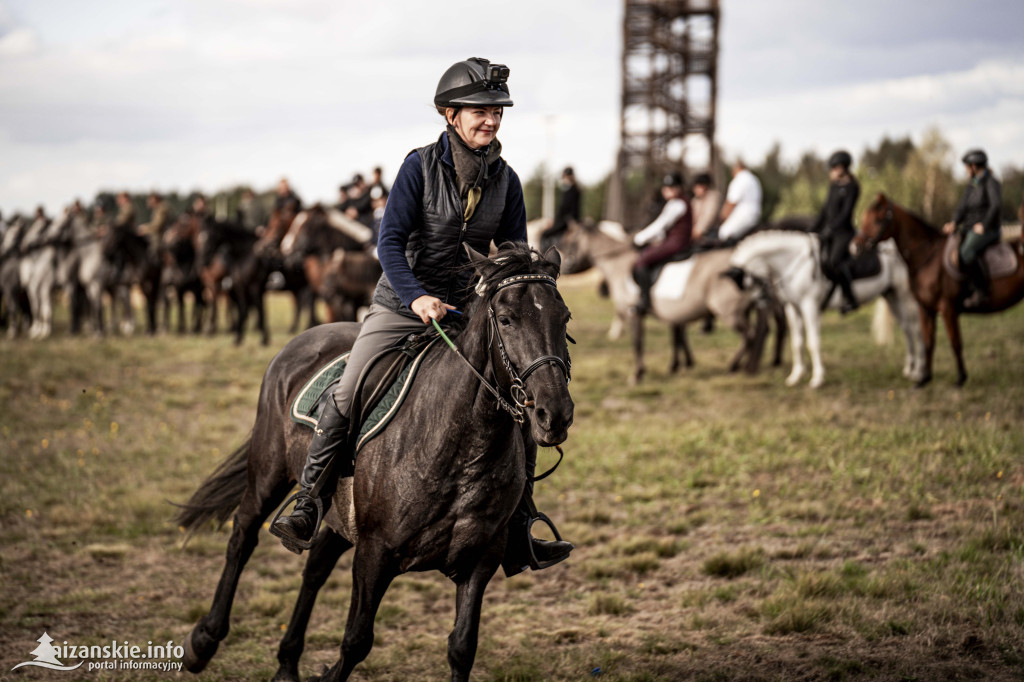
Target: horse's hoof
(924, 381)
(285, 675)
(193, 661)
(961, 380)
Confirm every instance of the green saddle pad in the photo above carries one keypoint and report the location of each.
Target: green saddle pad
(308, 403)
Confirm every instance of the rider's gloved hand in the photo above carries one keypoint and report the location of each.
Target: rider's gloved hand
(430, 308)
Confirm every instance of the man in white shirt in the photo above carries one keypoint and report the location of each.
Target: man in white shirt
(742, 210)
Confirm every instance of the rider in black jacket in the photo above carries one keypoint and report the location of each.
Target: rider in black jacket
(835, 226)
(977, 222)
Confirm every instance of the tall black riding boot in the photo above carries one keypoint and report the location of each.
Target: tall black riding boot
(329, 439)
(845, 281)
(978, 278)
(523, 550)
(642, 276)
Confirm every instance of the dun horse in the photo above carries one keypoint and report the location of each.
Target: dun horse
(686, 292)
(434, 491)
(936, 287)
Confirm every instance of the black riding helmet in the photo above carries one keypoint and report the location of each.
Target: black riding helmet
(976, 157)
(473, 82)
(673, 179)
(840, 158)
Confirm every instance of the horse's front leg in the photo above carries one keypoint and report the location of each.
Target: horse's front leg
(952, 320)
(928, 333)
(321, 561)
(811, 314)
(637, 323)
(372, 573)
(462, 641)
(779, 313)
(796, 335)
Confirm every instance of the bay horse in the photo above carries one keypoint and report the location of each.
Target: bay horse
(228, 260)
(434, 491)
(349, 280)
(320, 237)
(676, 300)
(181, 272)
(789, 263)
(938, 292)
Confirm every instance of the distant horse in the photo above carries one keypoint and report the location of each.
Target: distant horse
(17, 310)
(434, 491)
(789, 263)
(290, 264)
(181, 273)
(37, 269)
(129, 263)
(227, 254)
(685, 292)
(323, 234)
(348, 283)
(938, 289)
(86, 272)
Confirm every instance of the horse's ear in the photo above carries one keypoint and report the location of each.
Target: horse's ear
(554, 257)
(476, 258)
(880, 199)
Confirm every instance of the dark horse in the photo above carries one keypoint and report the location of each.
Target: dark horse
(434, 491)
(936, 291)
(317, 242)
(227, 251)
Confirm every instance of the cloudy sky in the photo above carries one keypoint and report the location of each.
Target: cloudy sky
(209, 93)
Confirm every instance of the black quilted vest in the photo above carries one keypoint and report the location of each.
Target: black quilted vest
(434, 250)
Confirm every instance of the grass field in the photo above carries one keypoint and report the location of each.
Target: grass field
(727, 527)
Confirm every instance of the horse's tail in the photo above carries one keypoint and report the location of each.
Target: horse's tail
(881, 324)
(219, 495)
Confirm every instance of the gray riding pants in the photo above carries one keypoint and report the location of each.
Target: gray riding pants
(381, 328)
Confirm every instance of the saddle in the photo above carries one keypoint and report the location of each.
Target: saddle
(1000, 259)
(382, 388)
(865, 265)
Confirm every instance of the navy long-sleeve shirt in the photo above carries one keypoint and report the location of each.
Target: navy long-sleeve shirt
(403, 216)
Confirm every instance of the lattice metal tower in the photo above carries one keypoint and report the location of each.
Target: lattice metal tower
(669, 86)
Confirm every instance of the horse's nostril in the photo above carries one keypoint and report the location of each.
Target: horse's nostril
(543, 417)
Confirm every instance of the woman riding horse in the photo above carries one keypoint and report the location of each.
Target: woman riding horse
(835, 226)
(976, 221)
(668, 236)
(457, 190)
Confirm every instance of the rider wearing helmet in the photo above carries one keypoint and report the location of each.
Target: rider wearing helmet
(669, 235)
(835, 226)
(457, 190)
(976, 221)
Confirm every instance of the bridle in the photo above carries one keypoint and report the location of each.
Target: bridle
(517, 388)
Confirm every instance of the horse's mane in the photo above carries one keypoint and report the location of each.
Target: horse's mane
(919, 219)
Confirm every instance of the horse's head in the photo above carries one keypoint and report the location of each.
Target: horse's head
(525, 319)
(876, 226)
(574, 257)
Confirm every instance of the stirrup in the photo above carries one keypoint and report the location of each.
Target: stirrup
(290, 543)
(535, 563)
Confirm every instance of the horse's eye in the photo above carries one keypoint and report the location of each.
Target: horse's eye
(505, 322)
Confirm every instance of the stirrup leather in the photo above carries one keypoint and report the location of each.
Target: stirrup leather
(290, 543)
